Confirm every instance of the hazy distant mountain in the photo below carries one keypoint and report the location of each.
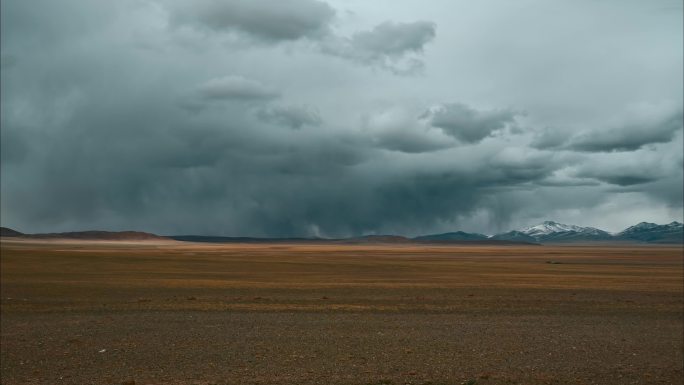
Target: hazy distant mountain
(101, 235)
(376, 239)
(454, 236)
(7, 232)
(221, 239)
(85, 235)
(653, 233)
(516, 236)
(545, 232)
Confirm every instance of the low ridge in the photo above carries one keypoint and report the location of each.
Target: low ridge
(7, 232)
(86, 235)
(545, 232)
(453, 236)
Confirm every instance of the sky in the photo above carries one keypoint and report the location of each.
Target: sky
(339, 118)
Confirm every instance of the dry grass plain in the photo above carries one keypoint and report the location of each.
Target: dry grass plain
(184, 313)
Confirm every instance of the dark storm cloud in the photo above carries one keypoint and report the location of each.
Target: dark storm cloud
(395, 39)
(393, 46)
(519, 165)
(626, 180)
(290, 116)
(629, 169)
(201, 173)
(408, 141)
(235, 88)
(621, 177)
(275, 21)
(113, 118)
(13, 145)
(390, 45)
(628, 137)
(7, 61)
(549, 138)
(399, 129)
(467, 124)
(567, 183)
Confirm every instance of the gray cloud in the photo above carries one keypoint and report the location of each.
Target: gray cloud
(408, 141)
(628, 138)
(394, 39)
(13, 145)
(291, 116)
(262, 19)
(467, 124)
(551, 182)
(392, 46)
(112, 120)
(629, 169)
(235, 88)
(7, 61)
(620, 176)
(398, 129)
(549, 138)
(659, 126)
(626, 180)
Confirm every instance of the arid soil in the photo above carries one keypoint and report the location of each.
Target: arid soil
(165, 312)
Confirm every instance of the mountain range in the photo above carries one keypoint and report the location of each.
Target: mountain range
(554, 232)
(543, 233)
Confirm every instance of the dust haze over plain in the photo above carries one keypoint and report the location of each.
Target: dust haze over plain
(339, 118)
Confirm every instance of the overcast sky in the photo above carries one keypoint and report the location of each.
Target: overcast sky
(340, 118)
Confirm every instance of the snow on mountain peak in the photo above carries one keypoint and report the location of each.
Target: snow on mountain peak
(550, 227)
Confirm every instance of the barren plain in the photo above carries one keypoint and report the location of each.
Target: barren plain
(166, 312)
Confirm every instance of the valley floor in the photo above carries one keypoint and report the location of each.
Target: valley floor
(184, 313)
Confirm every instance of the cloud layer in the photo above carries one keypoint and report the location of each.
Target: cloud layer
(467, 124)
(235, 88)
(307, 118)
(261, 19)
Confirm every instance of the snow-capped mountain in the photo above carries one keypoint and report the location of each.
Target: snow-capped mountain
(550, 232)
(554, 232)
(550, 227)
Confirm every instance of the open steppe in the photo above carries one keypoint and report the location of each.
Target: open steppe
(166, 312)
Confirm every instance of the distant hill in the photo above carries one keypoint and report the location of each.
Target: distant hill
(515, 236)
(7, 232)
(454, 236)
(376, 239)
(86, 235)
(219, 239)
(466, 239)
(101, 235)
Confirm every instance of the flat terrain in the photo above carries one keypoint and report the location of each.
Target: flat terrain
(165, 312)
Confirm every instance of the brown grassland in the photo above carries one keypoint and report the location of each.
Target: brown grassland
(160, 312)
